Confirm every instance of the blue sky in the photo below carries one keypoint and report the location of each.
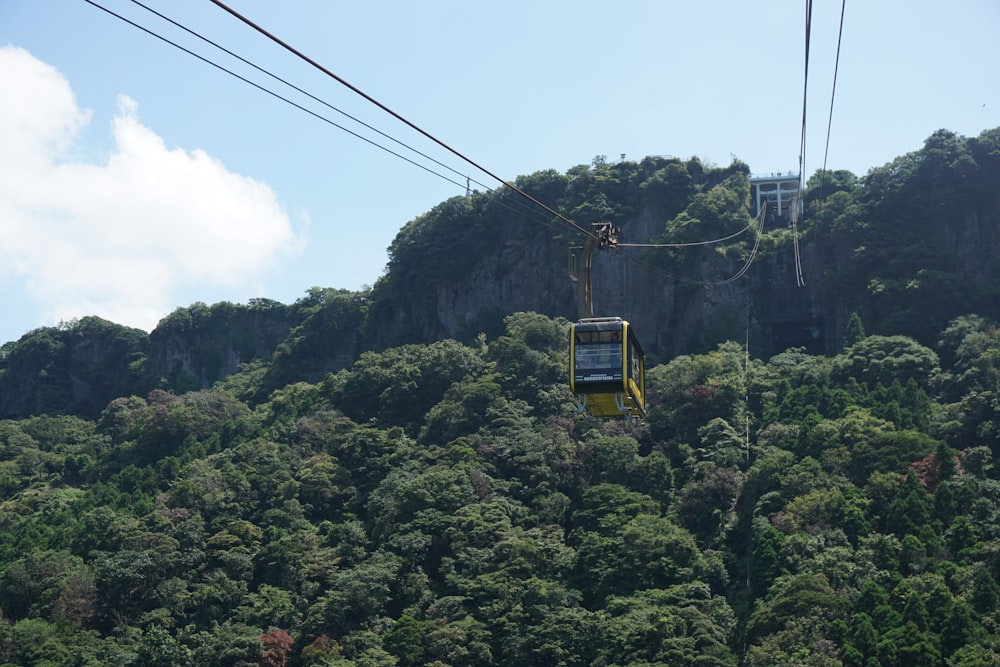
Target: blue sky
(135, 179)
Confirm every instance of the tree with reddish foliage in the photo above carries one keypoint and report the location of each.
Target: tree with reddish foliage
(276, 646)
(319, 650)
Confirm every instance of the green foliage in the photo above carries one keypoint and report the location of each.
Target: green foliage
(910, 509)
(690, 391)
(669, 189)
(881, 360)
(712, 214)
(397, 387)
(854, 332)
(75, 368)
(909, 208)
(677, 625)
(792, 598)
(531, 354)
(225, 333)
(825, 184)
(325, 341)
(443, 504)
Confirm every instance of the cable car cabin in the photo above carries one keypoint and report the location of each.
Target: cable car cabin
(607, 372)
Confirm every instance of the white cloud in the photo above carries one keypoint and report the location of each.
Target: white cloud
(121, 238)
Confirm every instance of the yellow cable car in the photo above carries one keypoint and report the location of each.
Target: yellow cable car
(607, 371)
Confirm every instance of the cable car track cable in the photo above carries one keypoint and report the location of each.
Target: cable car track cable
(514, 206)
(689, 281)
(304, 92)
(399, 117)
(799, 278)
(753, 254)
(833, 93)
(829, 126)
(270, 92)
(683, 245)
(524, 210)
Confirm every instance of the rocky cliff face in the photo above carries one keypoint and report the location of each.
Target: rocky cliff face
(675, 309)
(74, 368)
(909, 247)
(195, 347)
(519, 270)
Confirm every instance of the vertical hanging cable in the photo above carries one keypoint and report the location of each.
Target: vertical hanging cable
(799, 279)
(821, 199)
(833, 93)
(746, 379)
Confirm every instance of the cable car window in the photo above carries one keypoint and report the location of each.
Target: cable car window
(594, 337)
(599, 361)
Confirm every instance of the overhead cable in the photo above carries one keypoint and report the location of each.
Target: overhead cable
(516, 205)
(796, 202)
(753, 252)
(304, 92)
(269, 92)
(690, 281)
(682, 245)
(836, 66)
(399, 117)
(513, 205)
(524, 210)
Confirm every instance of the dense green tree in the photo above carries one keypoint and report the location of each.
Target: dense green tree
(355, 595)
(854, 332)
(325, 340)
(407, 640)
(707, 502)
(669, 189)
(794, 596)
(159, 648)
(75, 368)
(910, 509)
(688, 392)
(442, 504)
(530, 355)
(397, 387)
(463, 408)
(864, 637)
(986, 592)
(881, 359)
(715, 213)
(678, 625)
(765, 560)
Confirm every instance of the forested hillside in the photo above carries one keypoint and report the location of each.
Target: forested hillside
(909, 247)
(444, 504)
(329, 483)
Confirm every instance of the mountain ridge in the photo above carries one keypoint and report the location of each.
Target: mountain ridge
(909, 247)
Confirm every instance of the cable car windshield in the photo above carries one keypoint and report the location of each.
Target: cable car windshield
(597, 356)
